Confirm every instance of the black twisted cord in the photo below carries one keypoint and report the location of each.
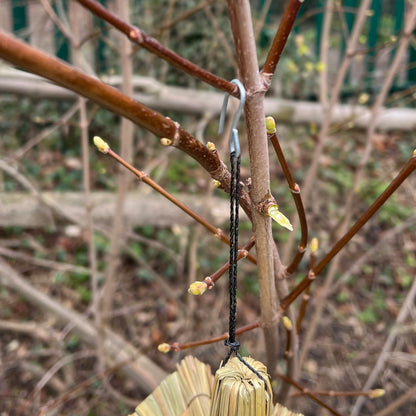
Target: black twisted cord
(231, 342)
(234, 220)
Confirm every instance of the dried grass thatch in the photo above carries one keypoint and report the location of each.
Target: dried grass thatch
(188, 392)
(238, 391)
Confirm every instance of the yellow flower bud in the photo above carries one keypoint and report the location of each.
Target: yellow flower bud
(165, 142)
(363, 98)
(303, 50)
(320, 66)
(276, 215)
(377, 393)
(287, 323)
(314, 246)
(270, 125)
(197, 288)
(309, 66)
(313, 128)
(165, 348)
(211, 146)
(292, 67)
(101, 144)
(216, 183)
(299, 40)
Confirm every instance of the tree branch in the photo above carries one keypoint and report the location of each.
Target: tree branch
(280, 39)
(37, 62)
(242, 27)
(152, 45)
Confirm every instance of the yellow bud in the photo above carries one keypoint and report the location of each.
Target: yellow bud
(287, 323)
(299, 39)
(270, 125)
(303, 49)
(377, 393)
(320, 66)
(309, 66)
(363, 98)
(313, 128)
(314, 246)
(165, 142)
(197, 288)
(276, 215)
(101, 144)
(165, 348)
(211, 146)
(292, 67)
(362, 39)
(216, 183)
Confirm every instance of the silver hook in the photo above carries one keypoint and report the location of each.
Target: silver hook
(234, 142)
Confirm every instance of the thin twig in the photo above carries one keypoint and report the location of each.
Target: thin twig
(146, 374)
(201, 6)
(396, 404)
(307, 393)
(332, 393)
(280, 39)
(126, 152)
(323, 52)
(310, 176)
(47, 131)
(81, 387)
(258, 27)
(176, 346)
(306, 295)
(54, 17)
(222, 38)
(396, 182)
(294, 188)
(37, 62)
(242, 254)
(351, 198)
(219, 233)
(75, 17)
(152, 45)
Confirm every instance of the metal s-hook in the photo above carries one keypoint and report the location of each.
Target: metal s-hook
(234, 142)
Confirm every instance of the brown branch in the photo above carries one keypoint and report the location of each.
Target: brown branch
(54, 17)
(306, 295)
(152, 45)
(294, 188)
(242, 254)
(397, 181)
(324, 133)
(280, 39)
(176, 346)
(396, 404)
(37, 62)
(242, 28)
(218, 232)
(204, 4)
(371, 394)
(307, 393)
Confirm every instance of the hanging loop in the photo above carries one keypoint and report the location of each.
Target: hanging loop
(234, 142)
